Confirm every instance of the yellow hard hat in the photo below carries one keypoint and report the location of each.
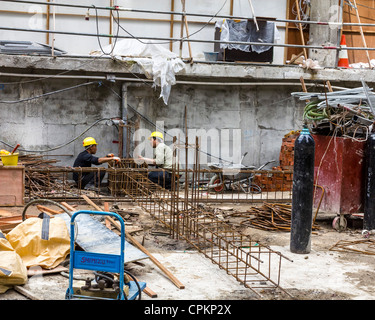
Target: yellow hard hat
(156, 134)
(88, 141)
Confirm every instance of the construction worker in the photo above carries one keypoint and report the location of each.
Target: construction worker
(85, 159)
(163, 156)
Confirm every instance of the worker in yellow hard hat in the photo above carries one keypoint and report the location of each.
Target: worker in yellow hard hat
(85, 159)
(163, 157)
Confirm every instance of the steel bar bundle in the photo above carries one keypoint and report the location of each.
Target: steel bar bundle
(365, 246)
(270, 216)
(347, 113)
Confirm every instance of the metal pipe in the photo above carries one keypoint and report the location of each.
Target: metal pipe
(4, 74)
(191, 40)
(328, 23)
(124, 117)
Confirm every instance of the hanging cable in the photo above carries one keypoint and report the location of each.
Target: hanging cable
(55, 75)
(50, 93)
(97, 31)
(62, 145)
(171, 41)
(304, 10)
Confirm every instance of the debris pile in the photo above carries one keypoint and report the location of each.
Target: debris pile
(270, 216)
(345, 113)
(38, 183)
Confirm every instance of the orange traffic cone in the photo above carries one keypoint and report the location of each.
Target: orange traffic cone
(343, 54)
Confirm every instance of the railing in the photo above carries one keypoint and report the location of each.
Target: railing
(114, 8)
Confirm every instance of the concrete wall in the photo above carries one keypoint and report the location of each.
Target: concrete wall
(230, 120)
(323, 10)
(245, 118)
(54, 120)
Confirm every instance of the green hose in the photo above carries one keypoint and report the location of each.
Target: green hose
(311, 112)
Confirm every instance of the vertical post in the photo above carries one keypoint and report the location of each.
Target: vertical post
(182, 27)
(54, 28)
(171, 26)
(120, 139)
(362, 34)
(301, 29)
(174, 190)
(340, 19)
(369, 203)
(124, 117)
(303, 189)
(111, 22)
(286, 31)
(47, 22)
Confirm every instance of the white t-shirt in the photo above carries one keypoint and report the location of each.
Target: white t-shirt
(163, 156)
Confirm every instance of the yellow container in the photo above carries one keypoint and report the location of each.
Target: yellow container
(10, 159)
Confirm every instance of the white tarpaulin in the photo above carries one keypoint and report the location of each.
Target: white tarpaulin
(157, 62)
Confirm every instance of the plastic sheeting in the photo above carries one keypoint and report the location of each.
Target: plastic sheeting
(157, 62)
(41, 242)
(245, 31)
(12, 269)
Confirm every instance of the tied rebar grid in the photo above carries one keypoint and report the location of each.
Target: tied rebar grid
(56, 183)
(253, 264)
(250, 262)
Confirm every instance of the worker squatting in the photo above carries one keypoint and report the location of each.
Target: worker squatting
(229, 140)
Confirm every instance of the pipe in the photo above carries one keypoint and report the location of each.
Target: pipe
(4, 74)
(191, 40)
(191, 14)
(124, 117)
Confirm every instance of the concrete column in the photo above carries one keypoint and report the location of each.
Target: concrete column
(324, 10)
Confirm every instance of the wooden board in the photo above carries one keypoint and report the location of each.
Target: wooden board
(366, 12)
(8, 223)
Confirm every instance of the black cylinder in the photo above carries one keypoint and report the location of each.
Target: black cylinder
(303, 192)
(369, 203)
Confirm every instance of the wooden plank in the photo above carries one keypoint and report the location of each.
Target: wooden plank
(106, 209)
(175, 281)
(301, 29)
(40, 271)
(48, 210)
(148, 291)
(5, 213)
(68, 206)
(8, 227)
(25, 293)
(9, 223)
(362, 35)
(12, 219)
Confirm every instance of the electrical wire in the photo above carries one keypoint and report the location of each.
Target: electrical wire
(97, 31)
(304, 9)
(171, 41)
(50, 93)
(55, 75)
(65, 144)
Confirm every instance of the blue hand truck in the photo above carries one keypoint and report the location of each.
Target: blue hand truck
(108, 263)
